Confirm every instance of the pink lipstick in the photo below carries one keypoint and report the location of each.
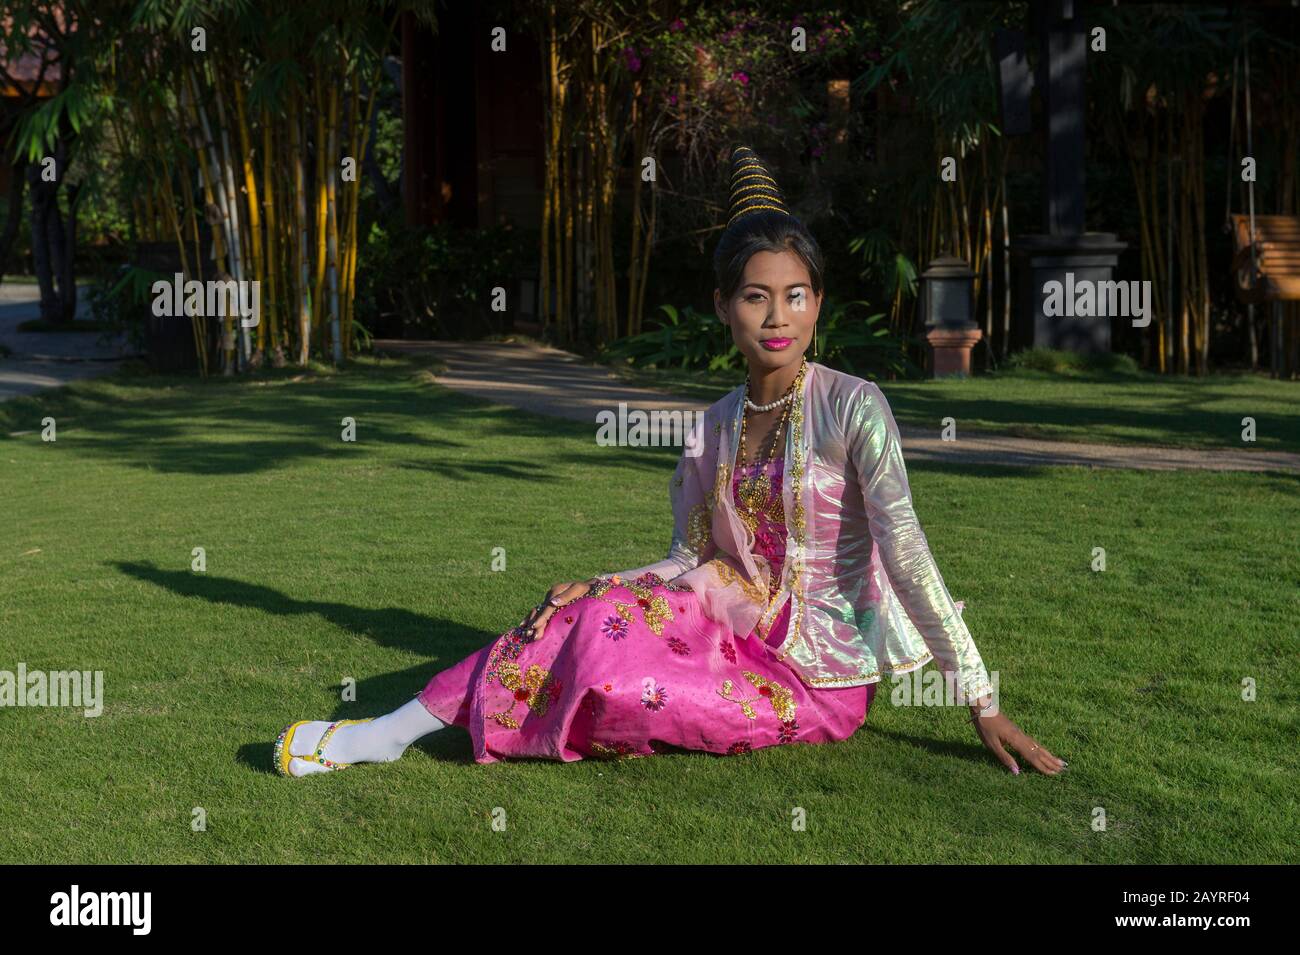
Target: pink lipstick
(776, 344)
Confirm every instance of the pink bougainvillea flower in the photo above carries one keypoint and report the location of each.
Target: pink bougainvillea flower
(741, 77)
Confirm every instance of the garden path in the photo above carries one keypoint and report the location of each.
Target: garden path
(553, 382)
(40, 360)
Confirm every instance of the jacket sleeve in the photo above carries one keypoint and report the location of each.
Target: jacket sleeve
(873, 444)
(691, 520)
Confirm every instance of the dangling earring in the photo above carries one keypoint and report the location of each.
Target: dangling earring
(815, 340)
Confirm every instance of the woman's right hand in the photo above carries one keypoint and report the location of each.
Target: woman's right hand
(556, 597)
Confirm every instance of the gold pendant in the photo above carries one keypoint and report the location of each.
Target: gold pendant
(755, 493)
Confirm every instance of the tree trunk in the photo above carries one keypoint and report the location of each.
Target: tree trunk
(67, 238)
(13, 214)
(51, 257)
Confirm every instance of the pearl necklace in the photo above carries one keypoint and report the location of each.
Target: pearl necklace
(784, 399)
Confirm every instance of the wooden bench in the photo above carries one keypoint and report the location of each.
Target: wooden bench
(1275, 274)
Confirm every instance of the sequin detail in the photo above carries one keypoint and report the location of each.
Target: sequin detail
(618, 749)
(781, 698)
(652, 607)
(729, 575)
(536, 688)
(699, 527)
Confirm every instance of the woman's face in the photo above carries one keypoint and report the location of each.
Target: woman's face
(773, 311)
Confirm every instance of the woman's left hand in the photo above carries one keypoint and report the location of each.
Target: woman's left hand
(997, 732)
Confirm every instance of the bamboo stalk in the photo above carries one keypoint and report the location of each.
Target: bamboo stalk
(228, 181)
(569, 267)
(638, 151)
(188, 195)
(258, 267)
(1006, 253)
(322, 210)
(332, 234)
(361, 144)
(549, 184)
(964, 236)
(272, 299)
(348, 232)
(215, 197)
(301, 257)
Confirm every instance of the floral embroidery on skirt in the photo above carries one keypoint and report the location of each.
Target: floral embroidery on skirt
(632, 670)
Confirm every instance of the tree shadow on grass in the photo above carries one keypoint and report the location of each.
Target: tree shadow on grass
(1190, 414)
(376, 695)
(219, 428)
(388, 626)
(394, 627)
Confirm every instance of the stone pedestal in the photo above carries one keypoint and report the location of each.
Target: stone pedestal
(950, 348)
(1039, 259)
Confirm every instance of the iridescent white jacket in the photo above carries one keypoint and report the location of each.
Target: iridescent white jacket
(866, 597)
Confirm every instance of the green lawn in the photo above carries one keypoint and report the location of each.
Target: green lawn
(1142, 409)
(371, 560)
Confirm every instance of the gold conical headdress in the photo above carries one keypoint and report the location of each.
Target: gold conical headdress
(752, 187)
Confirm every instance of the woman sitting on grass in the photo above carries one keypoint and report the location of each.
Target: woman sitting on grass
(797, 579)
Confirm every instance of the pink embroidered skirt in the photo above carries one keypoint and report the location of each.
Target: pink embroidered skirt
(637, 670)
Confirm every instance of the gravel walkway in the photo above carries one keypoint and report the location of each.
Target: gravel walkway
(41, 360)
(552, 382)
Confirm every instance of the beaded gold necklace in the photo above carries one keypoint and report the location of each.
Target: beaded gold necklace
(755, 491)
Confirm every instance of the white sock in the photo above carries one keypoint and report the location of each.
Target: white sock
(381, 740)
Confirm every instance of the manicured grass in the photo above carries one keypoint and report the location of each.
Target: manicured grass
(328, 560)
(1142, 409)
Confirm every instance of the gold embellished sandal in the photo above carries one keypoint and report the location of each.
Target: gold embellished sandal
(283, 757)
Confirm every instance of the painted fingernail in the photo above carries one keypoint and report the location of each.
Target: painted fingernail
(1016, 770)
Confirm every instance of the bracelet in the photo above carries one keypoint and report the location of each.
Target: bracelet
(601, 584)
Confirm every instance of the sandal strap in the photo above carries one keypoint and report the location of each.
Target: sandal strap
(280, 755)
(319, 755)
